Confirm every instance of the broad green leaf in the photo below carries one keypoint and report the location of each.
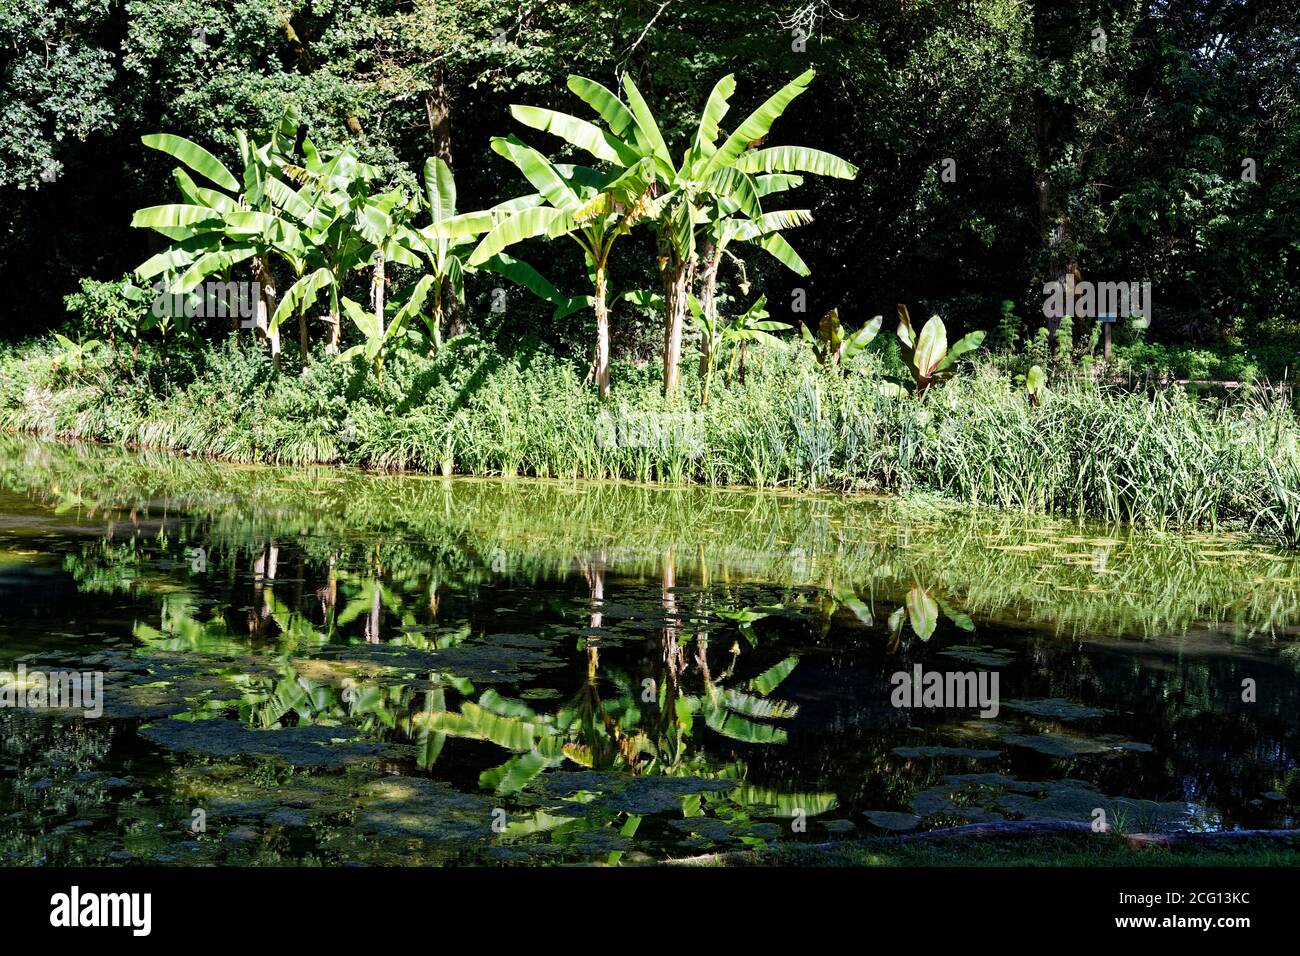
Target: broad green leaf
(863, 337)
(967, 343)
(770, 222)
(537, 169)
(715, 108)
(776, 183)
(759, 707)
(174, 214)
(617, 117)
(922, 612)
(771, 678)
(201, 195)
(776, 245)
(212, 263)
(439, 188)
(301, 295)
(795, 159)
(783, 804)
(733, 725)
(577, 132)
(525, 224)
(758, 123)
(525, 275)
(515, 774)
(645, 123)
(194, 156)
(931, 346)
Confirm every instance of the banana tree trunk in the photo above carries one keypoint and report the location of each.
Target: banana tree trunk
(266, 297)
(436, 315)
(602, 333)
(708, 303)
(377, 289)
(677, 281)
(332, 346)
(302, 339)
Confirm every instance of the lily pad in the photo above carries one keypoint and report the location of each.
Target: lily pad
(1055, 708)
(308, 746)
(914, 753)
(892, 820)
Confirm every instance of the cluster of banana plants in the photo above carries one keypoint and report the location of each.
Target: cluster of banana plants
(315, 216)
(621, 731)
(696, 207)
(834, 347)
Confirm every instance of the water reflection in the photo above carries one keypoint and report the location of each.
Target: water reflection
(346, 667)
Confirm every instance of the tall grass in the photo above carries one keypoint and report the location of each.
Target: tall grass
(1164, 460)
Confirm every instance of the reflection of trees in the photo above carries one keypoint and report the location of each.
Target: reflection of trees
(407, 561)
(1060, 574)
(616, 721)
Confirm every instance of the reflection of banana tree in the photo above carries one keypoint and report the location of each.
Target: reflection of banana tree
(181, 629)
(614, 732)
(325, 698)
(921, 609)
(829, 600)
(372, 597)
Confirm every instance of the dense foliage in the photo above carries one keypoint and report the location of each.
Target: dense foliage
(999, 143)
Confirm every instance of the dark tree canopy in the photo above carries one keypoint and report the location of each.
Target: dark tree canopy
(999, 142)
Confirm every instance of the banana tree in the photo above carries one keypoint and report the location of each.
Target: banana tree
(729, 224)
(591, 207)
(333, 190)
(215, 229)
(927, 355)
(707, 172)
(753, 325)
(378, 330)
(835, 348)
(448, 238)
(716, 335)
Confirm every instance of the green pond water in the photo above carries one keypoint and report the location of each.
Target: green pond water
(329, 667)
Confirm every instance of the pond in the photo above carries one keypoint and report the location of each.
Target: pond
(328, 667)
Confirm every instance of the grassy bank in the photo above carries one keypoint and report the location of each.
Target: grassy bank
(1163, 460)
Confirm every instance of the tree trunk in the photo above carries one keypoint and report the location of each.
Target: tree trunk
(677, 284)
(302, 339)
(266, 306)
(436, 314)
(708, 303)
(377, 291)
(438, 108)
(372, 619)
(332, 346)
(602, 333)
